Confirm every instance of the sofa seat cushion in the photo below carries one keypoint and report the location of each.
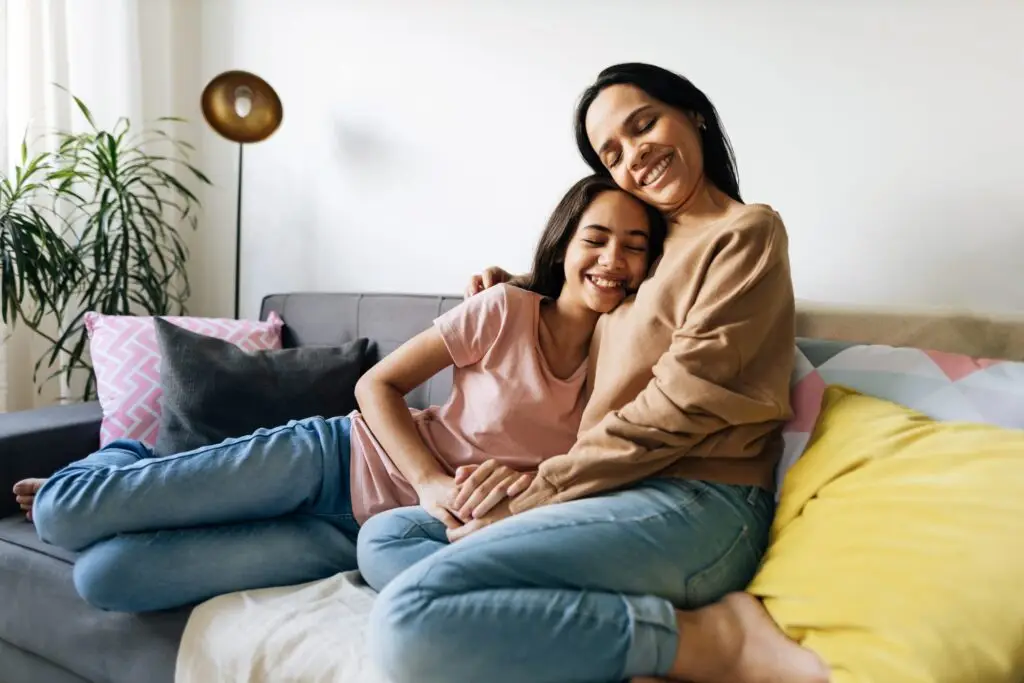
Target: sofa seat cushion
(44, 616)
(19, 666)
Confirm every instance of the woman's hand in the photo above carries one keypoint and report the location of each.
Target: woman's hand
(435, 496)
(487, 279)
(482, 487)
(499, 512)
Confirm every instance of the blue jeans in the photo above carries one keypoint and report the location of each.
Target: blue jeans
(268, 509)
(583, 591)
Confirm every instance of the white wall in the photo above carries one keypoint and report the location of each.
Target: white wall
(125, 58)
(425, 140)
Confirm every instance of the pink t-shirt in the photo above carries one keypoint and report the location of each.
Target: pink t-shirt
(505, 403)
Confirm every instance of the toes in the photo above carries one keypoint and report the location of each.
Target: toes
(28, 487)
(25, 494)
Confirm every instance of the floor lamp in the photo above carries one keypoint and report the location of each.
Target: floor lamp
(243, 108)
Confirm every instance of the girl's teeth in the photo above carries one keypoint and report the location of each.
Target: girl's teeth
(601, 282)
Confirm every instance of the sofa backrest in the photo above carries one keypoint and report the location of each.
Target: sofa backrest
(327, 319)
(391, 319)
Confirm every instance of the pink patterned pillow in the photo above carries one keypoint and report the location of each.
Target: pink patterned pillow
(126, 358)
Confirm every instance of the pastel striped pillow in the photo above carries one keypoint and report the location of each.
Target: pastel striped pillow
(126, 358)
(944, 386)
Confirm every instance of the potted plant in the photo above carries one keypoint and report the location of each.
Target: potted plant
(109, 239)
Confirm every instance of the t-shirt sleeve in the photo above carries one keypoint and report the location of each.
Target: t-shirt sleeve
(470, 329)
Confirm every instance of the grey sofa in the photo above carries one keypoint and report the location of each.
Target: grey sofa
(47, 633)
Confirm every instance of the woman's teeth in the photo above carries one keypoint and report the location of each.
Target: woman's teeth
(655, 173)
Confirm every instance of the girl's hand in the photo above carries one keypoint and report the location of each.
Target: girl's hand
(435, 496)
(482, 487)
(499, 513)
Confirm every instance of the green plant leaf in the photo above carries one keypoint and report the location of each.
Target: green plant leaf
(85, 112)
(198, 174)
(112, 148)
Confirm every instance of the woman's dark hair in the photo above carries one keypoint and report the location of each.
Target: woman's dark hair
(547, 277)
(675, 91)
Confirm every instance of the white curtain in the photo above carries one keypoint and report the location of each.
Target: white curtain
(134, 58)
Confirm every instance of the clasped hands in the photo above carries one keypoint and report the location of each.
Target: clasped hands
(476, 497)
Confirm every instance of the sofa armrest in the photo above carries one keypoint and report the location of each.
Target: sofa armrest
(37, 443)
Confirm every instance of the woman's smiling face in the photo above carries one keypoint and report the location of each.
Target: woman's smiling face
(652, 150)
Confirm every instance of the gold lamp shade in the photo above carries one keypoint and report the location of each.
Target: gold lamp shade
(242, 106)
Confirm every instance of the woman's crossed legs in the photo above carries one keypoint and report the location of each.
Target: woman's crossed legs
(584, 591)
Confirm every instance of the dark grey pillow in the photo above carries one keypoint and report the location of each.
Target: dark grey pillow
(213, 390)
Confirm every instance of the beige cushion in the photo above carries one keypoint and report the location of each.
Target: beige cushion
(977, 335)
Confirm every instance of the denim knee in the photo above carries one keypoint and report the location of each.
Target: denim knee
(104, 574)
(376, 536)
(54, 522)
(377, 531)
(399, 636)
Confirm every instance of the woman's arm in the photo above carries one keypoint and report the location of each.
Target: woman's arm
(381, 396)
(493, 276)
(743, 314)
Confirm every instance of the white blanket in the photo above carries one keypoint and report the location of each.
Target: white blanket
(310, 633)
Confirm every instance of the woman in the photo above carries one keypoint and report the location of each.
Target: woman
(614, 560)
(284, 505)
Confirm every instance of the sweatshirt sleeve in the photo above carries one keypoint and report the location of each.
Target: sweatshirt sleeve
(699, 387)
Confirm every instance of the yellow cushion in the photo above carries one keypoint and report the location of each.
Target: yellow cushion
(897, 551)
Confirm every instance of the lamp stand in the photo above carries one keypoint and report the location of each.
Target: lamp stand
(238, 236)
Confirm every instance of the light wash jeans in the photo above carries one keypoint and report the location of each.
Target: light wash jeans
(580, 592)
(268, 509)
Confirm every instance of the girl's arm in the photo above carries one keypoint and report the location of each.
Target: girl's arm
(460, 337)
(381, 396)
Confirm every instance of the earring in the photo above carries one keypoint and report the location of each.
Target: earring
(701, 123)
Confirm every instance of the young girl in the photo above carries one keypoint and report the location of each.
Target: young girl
(284, 505)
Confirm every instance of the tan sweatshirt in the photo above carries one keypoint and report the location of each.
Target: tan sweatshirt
(691, 377)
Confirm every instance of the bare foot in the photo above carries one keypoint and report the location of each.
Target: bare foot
(25, 493)
(766, 655)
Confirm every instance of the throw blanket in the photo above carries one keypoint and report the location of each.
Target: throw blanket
(313, 632)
